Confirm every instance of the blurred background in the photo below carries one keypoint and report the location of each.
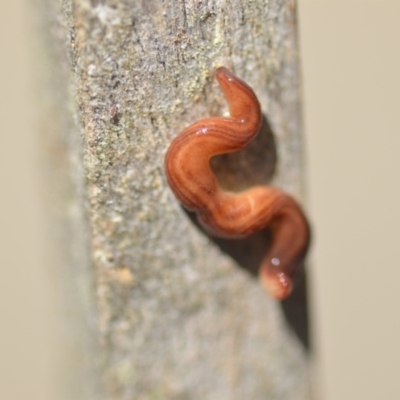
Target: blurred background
(351, 74)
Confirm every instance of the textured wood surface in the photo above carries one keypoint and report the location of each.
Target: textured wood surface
(167, 312)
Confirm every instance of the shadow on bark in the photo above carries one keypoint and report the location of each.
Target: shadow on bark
(255, 165)
(248, 254)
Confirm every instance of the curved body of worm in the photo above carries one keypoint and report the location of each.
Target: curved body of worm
(188, 171)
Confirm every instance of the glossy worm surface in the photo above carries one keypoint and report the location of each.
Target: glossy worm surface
(236, 215)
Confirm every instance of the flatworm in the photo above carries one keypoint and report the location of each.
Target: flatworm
(235, 215)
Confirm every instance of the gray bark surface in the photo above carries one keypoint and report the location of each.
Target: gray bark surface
(166, 312)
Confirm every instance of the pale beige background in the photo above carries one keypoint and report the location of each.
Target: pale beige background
(351, 65)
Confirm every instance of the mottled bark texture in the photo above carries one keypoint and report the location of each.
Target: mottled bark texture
(165, 311)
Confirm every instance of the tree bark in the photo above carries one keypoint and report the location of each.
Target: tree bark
(161, 310)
